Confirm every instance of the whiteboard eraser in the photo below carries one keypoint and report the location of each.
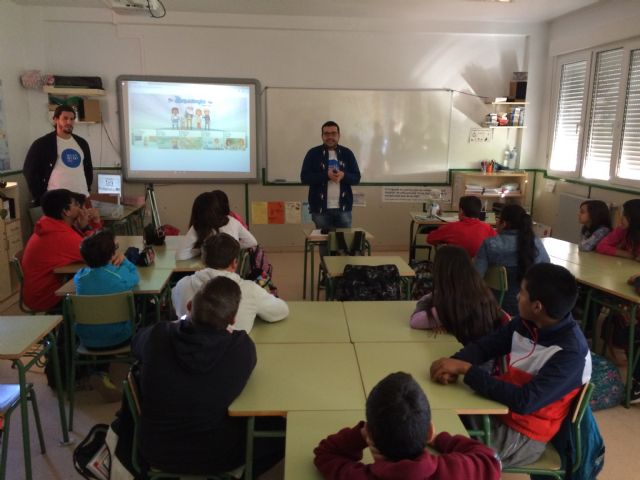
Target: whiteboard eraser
(279, 180)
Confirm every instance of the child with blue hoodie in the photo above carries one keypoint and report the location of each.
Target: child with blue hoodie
(106, 272)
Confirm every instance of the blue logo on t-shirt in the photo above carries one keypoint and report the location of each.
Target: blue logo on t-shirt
(70, 157)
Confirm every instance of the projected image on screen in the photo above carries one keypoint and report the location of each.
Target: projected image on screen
(188, 130)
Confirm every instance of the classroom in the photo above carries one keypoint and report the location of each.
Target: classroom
(454, 60)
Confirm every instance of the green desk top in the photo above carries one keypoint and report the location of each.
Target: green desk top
(20, 332)
(335, 265)
(387, 322)
(602, 272)
(301, 376)
(306, 429)
(152, 282)
(377, 360)
(308, 322)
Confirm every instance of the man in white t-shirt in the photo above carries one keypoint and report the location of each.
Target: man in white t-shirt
(330, 169)
(59, 159)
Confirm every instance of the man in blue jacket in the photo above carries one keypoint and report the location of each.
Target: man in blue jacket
(330, 170)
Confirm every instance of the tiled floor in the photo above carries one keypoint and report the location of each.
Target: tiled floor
(620, 427)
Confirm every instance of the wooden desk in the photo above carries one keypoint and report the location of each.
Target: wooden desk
(152, 282)
(306, 429)
(334, 266)
(298, 377)
(423, 218)
(19, 335)
(377, 360)
(114, 215)
(301, 376)
(165, 255)
(315, 238)
(308, 322)
(607, 274)
(387, 322)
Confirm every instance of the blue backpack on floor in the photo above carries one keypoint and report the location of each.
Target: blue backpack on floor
(608, 388)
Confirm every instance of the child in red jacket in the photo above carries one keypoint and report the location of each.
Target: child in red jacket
(397, 431)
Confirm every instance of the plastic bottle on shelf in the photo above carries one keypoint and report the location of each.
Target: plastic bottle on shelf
(507, 158)
(513, 157)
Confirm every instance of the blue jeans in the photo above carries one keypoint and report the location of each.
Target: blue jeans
(332, 218)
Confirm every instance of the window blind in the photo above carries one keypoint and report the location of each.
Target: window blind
(629, 166)
(606, 89)
(566, 136)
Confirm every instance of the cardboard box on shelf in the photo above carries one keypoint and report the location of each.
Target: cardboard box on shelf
(91, 111)
(517, 91)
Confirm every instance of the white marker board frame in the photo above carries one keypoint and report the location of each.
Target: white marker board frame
(398, 136)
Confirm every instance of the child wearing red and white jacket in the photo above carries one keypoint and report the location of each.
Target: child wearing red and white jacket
(549, 363)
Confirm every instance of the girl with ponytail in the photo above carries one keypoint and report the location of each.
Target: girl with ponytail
(516, 247)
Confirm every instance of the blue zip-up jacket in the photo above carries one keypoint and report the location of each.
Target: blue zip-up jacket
(315, 173)
(547, 367)
(503, 250)
(103, 281)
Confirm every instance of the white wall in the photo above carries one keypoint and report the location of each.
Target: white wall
(596, 25)
(279, 51)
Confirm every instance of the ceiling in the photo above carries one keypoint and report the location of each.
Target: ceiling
(528, 11)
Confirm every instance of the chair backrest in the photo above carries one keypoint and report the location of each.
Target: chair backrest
(580, 407)
(496, 279)
(101, 309)
(346, 242)
(130, 389)
(16, 264)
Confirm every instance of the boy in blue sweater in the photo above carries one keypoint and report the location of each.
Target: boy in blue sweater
(106, 272)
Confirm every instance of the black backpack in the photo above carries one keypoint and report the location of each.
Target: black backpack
(363, 282)
(84, 456)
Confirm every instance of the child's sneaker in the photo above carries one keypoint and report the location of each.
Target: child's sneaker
(103, 385)
(635, 392)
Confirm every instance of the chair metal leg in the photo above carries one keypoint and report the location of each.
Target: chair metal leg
(71, 387)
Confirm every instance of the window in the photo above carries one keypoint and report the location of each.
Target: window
(596, 127)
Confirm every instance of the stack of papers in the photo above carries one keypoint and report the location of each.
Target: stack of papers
(473, 188)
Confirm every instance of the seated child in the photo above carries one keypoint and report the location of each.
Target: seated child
(220, 257)
(55, 242)
(461, 303)
(624, 241)
(469, 232)
(549, 362)
(516, 247)
(192, 370)
(106, 272)
(210, 214)
(397, 431)
(596, 223)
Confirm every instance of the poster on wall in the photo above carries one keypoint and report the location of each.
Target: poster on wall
(4, 143)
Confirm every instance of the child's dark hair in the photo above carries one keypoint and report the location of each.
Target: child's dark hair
(631, 210)
(516, 218)
(216, 303)
(223, 202)
(465, 305)
(553, 286)
(470, 206)
(206, 216)
(398, 417)
(598, 216)
(98, 248)
(55, 202)
(219, 250)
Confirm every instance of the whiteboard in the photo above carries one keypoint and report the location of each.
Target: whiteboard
(397, 136)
